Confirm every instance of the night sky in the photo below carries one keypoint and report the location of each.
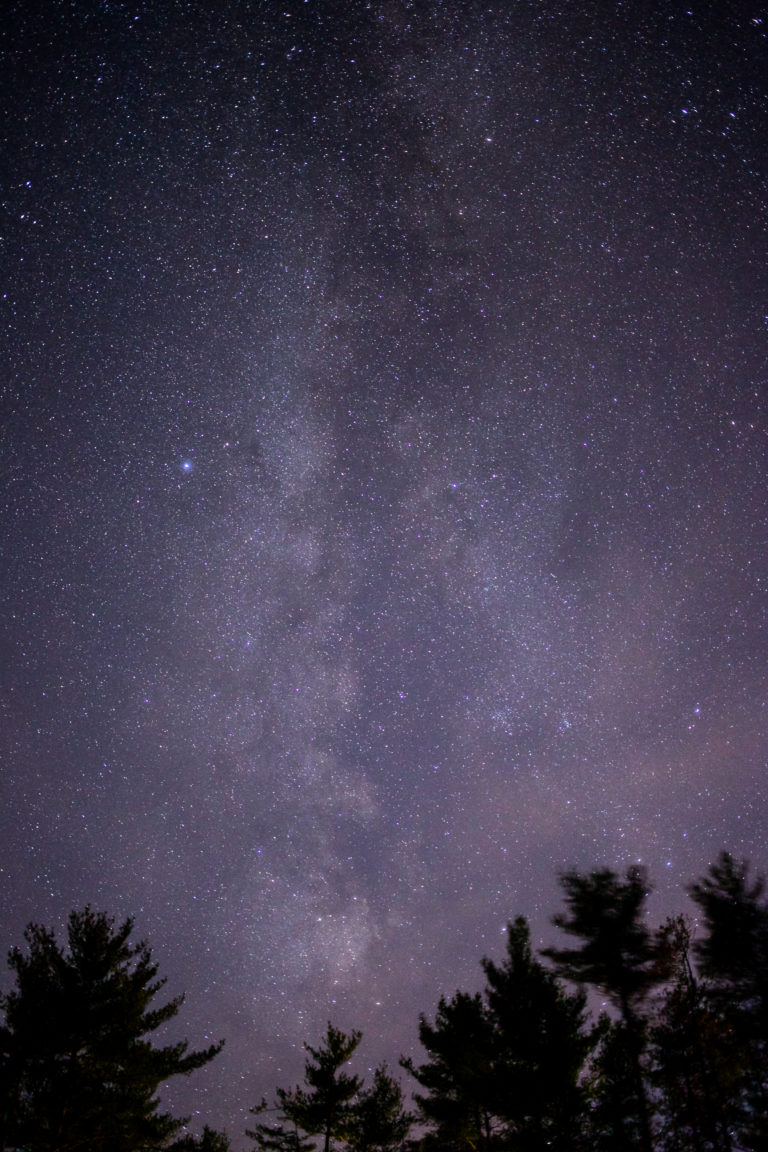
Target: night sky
(383, 487)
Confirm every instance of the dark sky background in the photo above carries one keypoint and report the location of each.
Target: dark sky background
(383, 487)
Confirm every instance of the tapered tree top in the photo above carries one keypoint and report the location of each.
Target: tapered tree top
(457, 1078)
(325, 1110)
(379, 1121)
(735, 912)
(78, 1069)
(617, 953)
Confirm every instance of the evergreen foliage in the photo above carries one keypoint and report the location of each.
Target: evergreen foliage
(379, 1121)
(618, 956)
(210, 1141)
(542, 1042)
(457, 1079)
(332, 1105)
(733, 957)
(78, 1071)
(325, 1109)
(284, 1135)
(693, 1061)
(678, 1064)
(613, 1121)
(504, 1068)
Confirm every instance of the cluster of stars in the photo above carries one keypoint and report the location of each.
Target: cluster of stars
(385, 489)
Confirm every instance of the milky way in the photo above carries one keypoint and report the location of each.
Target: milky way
(384, 488)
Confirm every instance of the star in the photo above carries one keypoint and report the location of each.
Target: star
(455, 570)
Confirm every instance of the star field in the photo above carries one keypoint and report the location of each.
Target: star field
(383, 488)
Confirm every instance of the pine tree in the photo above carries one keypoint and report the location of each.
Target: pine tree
(613, 1123)
(542, 1043)
(379, 1121)
(617, 956)
(285, 1134)
(332, 1104)
(733, 957)
(77, 1068)
(691, 1054)
(458, 1097)
(323, 1107)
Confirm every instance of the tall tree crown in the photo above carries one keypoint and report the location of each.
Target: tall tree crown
(605, 913)
(78, 1069)
(735, 944)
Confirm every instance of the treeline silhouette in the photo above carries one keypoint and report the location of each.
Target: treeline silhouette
(677, 1060)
